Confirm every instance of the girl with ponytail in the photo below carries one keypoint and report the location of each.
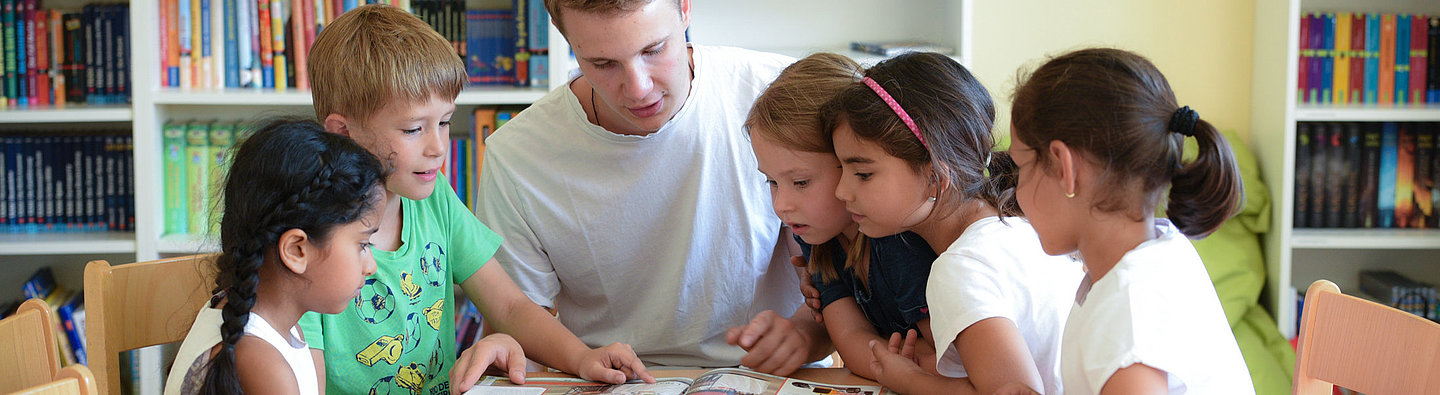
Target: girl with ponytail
(300, 205)
(915, 146)
(1098, 138)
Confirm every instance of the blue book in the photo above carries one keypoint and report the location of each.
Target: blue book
(183, 26)
(22, 95)
(1327, 59)
(1402, 58)
(71, 315)
(4, 186)
(242, 43)
(1317, 38)
(1372, 58)
(207, 67)
(232, 49)
(39, 285)
(1389, 159)
(350, 5)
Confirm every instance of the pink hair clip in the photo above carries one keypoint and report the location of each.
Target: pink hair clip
(895, 106)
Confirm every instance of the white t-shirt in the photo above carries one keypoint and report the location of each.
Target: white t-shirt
(192, 361)
(1158, 307)
(998, 269)
(663, 241)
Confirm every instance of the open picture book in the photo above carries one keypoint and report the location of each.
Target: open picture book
(723, 381)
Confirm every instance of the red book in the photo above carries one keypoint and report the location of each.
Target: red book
(267, 56)
(41, 82)
(30, 54)
(297, 41)
(1357, 58)
(1387, 59)
(1304, 95)
(1419, 39)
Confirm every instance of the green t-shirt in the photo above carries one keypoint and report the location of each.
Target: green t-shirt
(398, 336)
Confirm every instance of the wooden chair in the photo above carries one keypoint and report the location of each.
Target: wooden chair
(1364, 346)
(72, 380)
(28, 352)
(140, 305)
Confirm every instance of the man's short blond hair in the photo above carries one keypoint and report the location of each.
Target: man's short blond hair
(375, 54)
(602, 7)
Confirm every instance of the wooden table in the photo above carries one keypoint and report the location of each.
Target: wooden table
(825, 375)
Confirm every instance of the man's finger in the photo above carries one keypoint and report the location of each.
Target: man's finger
(757, 328)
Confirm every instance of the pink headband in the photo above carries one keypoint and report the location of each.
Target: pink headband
(894, 106)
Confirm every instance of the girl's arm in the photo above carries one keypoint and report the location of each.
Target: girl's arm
(995, 354)
(319, 356)
(1136, 379)
(852, 333)
(261, 368)
(509, 311)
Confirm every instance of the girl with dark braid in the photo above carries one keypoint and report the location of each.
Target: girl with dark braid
(300, 206)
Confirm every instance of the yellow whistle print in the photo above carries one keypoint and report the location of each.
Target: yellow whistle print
(387, 348)
(411, 378)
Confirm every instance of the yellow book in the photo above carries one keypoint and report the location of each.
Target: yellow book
(1341, 53)
(277, 43)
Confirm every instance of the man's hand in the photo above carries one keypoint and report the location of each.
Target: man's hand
(498, 349)
(614, 364)
(807, 287)
(774, 344)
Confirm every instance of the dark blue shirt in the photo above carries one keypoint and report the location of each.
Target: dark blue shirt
(899, 268)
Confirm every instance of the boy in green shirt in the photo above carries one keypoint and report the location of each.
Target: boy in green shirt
(386, 79)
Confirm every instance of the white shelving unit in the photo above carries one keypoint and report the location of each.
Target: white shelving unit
(1297, 257)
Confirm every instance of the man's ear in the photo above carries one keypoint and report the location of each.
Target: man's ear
(295, 250)
(685, 12)
(338, 124)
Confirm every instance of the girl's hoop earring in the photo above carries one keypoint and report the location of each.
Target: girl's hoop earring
(1070, 195)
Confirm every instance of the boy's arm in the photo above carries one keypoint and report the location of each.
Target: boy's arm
(541, 335)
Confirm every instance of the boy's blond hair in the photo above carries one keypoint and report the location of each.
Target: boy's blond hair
(375, 54)
(602, 7)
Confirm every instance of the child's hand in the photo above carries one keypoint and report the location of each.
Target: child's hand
(614, 364)
(894, 363)
(807, 287)
(498, 349)
(774, 344)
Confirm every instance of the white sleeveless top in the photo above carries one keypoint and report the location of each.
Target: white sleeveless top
(191, 362)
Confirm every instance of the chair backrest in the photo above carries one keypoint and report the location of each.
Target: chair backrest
(1364, 346)
(72, 380)
(28, 353)
(140, 305)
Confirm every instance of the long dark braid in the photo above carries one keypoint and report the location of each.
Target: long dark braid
(290, 174)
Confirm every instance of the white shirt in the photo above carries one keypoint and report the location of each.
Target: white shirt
(998, 269)
(1158, 307)
(192, 361)
(662, 241)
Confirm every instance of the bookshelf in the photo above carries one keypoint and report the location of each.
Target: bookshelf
(1297, 257)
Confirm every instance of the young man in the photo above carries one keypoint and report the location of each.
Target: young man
(631, 202)
(386, 79)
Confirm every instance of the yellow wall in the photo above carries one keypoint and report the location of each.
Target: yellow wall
(1203, 47)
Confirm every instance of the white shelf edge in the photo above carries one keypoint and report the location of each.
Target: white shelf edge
(186, 244)
(865, 59)
(482, 95)
(1429, 113)
(72, 114)
(51, 243)
(1367, 239)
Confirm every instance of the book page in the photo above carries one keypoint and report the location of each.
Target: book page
(492, 385)
(745, 382)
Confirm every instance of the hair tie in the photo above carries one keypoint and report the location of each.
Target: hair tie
(894, 106)
(1183, 121)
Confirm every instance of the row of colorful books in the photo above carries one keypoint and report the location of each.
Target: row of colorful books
(1367, 175)
(55, 57)
(195, 157)
(264, 44)
(1395, 290)
(467, 152)
(66, 183)
(1358, 58)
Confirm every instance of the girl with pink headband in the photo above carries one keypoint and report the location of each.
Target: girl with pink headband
(915, 146)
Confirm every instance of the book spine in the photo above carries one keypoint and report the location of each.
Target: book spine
(1432, 63)
(277, 43)
(1405, 176)
(1357, 59)
(1372, 58)
(252, 15)
(1386, 87)
(1319, 166)
(1304, 134)
(73, 65)
(1419, 40)
(1340, 55)
(1369, 175)
(1389, 155)
(231, 54)
(267, 56)
(25, 39)
(175, 153)
(41, 82)
(197, 170)
(1424, 151)
(1350, 213)
(297, 42)
(1402, 58)
(5, 189)
(207, 61)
